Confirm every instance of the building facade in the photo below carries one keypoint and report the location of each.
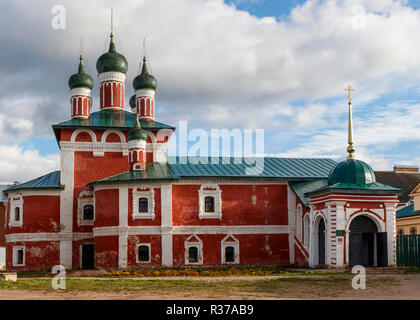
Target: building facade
(119, 201)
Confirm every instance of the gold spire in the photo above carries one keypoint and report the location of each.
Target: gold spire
(350, 148)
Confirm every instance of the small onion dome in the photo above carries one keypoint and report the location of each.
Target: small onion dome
(144, 80)
(81, 79)
(137, 133)
(112, 60)
(133, 101)
(353, 172)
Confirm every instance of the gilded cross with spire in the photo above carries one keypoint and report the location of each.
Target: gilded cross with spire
(350, 148)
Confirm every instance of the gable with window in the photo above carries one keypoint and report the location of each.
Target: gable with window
(230, 250)
(143, 203)
(86, 208)
(193, 250)
(16, 211)
(210, 202)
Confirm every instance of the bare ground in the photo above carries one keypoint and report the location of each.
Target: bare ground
(337, 286)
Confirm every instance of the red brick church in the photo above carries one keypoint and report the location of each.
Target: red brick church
(119, 201)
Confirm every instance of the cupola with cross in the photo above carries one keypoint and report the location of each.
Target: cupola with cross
(112, 68)
(137, 138)
(80, 85)
(145, 86)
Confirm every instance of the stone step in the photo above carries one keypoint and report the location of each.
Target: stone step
(8, 276)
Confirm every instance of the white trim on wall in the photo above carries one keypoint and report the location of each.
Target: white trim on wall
(198, 243)
(235, 244)
(210, 190)
(143, 192)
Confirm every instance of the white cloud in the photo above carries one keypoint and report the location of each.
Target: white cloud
(21, 165)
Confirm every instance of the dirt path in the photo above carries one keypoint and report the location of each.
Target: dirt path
(389, 286)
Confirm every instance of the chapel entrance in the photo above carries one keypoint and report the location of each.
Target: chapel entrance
(367, 246)
(88, 256)
(321, 242)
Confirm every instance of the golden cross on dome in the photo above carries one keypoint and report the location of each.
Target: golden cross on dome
(349, 89)
(350, 148)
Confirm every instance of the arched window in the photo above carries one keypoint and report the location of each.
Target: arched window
(193, 254)
(17, 214)
(143, 253)
(88, 212)
(209, 204)
(229, 254)
(306, 231)
(143, 205)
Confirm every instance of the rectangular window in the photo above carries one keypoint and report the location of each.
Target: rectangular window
(143, 253)
(400, 232)
(18, 258)
(88, 212)
(413, 230)
(193, 254)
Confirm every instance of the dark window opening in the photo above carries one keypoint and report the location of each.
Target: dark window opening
(19, 256)
(193, 254)
(17, 214)
(229, 254)
(209, 204)
(143, 205)
(413, 230)
(400, 232)
(88, 212)
(144, 255)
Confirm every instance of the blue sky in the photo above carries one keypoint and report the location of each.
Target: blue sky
(224, 64)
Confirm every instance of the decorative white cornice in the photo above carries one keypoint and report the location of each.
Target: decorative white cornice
(48, 236)
(112, 76)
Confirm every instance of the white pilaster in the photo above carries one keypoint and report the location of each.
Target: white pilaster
(66, 206)
(391, 232)
(123, 227)
(291, 206)
(341, 225)
(166, 225)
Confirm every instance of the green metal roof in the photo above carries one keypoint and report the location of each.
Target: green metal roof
(407, 211)
(106, 119)
(370, 188)
(352, 172)
(48, 181)
(284, 169)
(302, 188)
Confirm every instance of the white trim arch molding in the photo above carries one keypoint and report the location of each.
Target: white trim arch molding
(299, 222)
(193, 241)
(210, 190)
(16, 203)
(108, 132)
(230, 241)
(85, 198)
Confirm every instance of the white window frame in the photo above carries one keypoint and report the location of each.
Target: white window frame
(234, 244)
(85, 198)
(15, 256)
(188, 244)
(150, 252)
(210, 190)
(16, 202)
(144, 192)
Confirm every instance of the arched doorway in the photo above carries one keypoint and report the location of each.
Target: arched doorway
(321, 242)
(367, 247)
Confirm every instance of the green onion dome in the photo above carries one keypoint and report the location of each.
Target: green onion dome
(137, 133)
(112, 60)
(81, 79)
(352, 171)
(144, 80)
(133, 101)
